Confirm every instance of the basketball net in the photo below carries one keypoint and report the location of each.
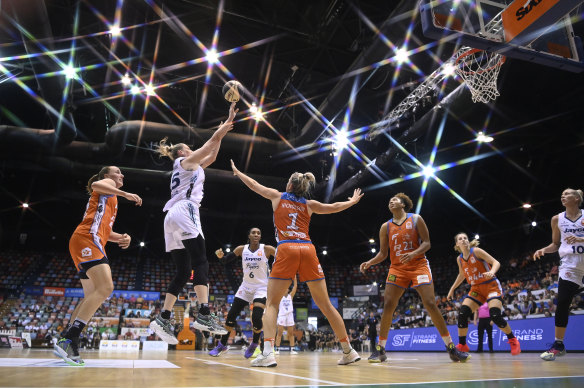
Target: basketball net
(479, 69)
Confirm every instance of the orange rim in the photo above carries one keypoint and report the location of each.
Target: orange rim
(473, 51)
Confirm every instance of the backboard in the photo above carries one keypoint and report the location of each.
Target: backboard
(536, 31)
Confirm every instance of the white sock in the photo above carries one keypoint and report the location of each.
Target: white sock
(268, 347)
(447, 339)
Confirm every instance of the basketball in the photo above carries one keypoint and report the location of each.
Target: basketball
(232, 91)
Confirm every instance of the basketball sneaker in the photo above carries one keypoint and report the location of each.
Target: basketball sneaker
(515, 348)
(378, 355)
(463, 348)
(257, 352)
(219, 350)
(292, 351)
(456, 355)
(163, 328)
(557, 350)
(349, 358)
(250, 350)
(276, 351)
(68, 350)
(209, 323)
(265, 361)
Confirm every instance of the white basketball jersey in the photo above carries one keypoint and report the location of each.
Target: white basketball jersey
(286, 306)
(255, 266)
(185, 185)
(570, 228)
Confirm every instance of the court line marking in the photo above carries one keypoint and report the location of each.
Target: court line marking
(466, 381)
(267, 372)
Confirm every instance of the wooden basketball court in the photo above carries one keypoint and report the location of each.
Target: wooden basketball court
(39, 368)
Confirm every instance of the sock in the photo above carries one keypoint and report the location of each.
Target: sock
(224, 339)
(268, 346)
(382, 342)
(165, 314)
(462, 339)
(256, 337)
(75, 329)
(346, 345)
(204, 309)
(560, 340)
(510, 335)
(447, 340)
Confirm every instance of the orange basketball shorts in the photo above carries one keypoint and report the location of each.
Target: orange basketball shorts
(84, 249)
(411, 277)
(296, 258)
(484, 292)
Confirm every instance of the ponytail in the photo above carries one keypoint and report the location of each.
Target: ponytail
(99, 176)
(302, 183)
(170, 151)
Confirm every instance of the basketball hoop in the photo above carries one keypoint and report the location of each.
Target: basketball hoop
(480, 69)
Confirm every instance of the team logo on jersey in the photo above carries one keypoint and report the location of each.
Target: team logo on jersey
(100, 208)
(391, 278)
(86, 252)
(474, 293)
(409, 225)
(259, 253)
(423, 279)
(472, 259)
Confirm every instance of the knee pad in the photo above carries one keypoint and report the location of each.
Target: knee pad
(497, 317)
(463, 316)
(256, 319)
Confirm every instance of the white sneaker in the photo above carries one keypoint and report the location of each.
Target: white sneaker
(277, 351)
(263, 360)
(349, 358)
(293, 351)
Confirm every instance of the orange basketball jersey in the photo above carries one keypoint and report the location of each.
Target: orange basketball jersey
(99, 218)
(473, 269)
(291, 219)
(404, 238)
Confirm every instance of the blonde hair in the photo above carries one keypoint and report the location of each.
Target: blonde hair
(97, 177)
(473, 243)
(170, 151)
(578, 193)
(405, 200)
(302, 183)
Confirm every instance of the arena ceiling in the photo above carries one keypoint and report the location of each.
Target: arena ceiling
(315, 68)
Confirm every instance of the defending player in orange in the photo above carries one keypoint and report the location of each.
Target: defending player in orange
(87, 248)
(406, 238)
(296, 254)
(479, 269)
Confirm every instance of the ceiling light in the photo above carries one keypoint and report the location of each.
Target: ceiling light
(401, 55)
(533, 223)
(135, 89)
(70, 72)
(253, 109)
(448, 69)
(428, 171)
(150, 90)
(126, 80)
(212, 56)
(324, 252)
(25, 205)
(115, 30)
(526, 205)
(371, 241)
(142, 243)
(227, 249)
(476, 236)
(340, 140)
(373, 250)
(482, 138)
